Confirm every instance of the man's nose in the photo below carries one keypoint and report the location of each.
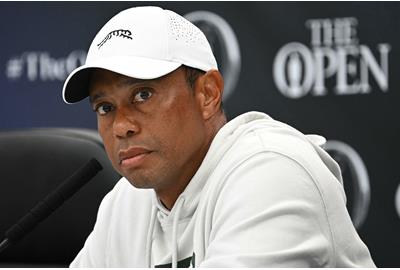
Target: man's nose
(125, 124)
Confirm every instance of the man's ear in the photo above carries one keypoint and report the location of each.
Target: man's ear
(209, 90)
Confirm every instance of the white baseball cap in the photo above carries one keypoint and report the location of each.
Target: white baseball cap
(142, 43)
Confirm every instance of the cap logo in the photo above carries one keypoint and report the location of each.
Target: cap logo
(117, 33)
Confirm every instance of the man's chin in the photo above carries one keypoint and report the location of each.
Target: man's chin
(139, 182)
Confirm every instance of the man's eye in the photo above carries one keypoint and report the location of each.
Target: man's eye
(103, 109)
(142, 95)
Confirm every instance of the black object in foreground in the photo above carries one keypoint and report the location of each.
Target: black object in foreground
(52, 201)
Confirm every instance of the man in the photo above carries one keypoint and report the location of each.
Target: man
(198, 191)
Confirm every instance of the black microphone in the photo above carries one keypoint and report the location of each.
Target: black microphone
(52, 201)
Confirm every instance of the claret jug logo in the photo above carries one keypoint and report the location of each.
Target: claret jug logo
(335, 54)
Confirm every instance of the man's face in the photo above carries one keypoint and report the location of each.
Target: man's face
(153, 130)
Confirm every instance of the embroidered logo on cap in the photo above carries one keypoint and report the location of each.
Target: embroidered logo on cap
(117, 33)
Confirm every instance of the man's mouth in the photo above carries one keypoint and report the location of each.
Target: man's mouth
(133, 156)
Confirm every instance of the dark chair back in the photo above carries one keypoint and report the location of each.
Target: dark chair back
(33, 163)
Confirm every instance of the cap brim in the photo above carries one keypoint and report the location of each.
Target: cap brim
(76, 86)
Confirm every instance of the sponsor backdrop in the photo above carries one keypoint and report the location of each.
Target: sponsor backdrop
(326, 68)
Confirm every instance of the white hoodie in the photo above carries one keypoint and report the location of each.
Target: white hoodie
(264, 196)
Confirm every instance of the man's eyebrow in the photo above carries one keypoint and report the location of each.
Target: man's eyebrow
(126, 82)
(93, 98)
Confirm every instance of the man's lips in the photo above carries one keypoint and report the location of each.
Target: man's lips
(132, 156)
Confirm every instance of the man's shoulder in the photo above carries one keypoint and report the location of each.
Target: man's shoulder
(269, 135)
(275, 150)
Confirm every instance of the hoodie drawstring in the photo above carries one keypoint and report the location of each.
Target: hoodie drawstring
(150, 232)
(174, 248)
